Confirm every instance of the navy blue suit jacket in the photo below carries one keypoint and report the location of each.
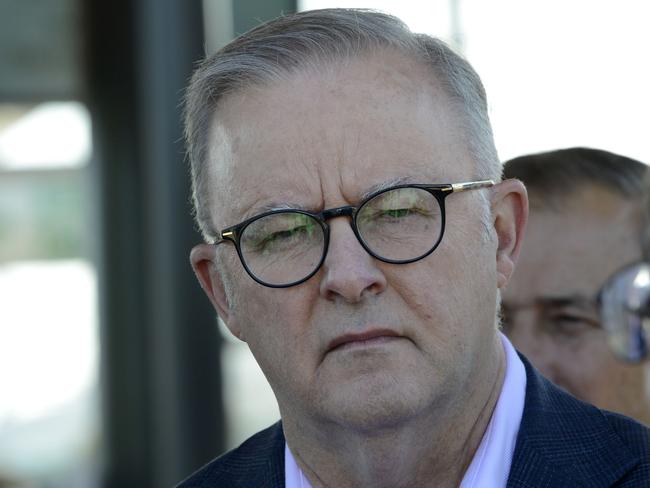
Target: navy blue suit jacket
(562, 443)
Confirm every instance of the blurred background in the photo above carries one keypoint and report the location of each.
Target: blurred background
(113, 370)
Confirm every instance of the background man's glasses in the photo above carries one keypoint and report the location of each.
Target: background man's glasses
(399, 225)
(625, 309)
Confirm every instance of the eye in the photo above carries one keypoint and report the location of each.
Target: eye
(398, 212)
(276, 236)
(397, 205)
(279, 231)
(569, 325)
(265, 241)
(286, 234)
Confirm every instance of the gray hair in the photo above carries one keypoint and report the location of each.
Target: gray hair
(310, 39)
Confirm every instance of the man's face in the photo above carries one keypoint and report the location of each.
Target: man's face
(320, 140)
(549, 303)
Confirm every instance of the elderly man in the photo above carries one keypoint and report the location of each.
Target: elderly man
(578, 304)
(358, 236)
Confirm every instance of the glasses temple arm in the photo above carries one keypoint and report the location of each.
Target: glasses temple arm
(471, 185)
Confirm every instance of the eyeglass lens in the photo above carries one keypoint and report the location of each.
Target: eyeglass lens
(401, 224)
(282, 248)
(397, 225)
(625, 309)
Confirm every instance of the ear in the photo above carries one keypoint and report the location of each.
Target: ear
(203, 259)
(509, 201)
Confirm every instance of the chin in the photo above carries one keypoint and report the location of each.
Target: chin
(372, 404)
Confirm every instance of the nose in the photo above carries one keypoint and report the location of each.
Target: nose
(349, 272)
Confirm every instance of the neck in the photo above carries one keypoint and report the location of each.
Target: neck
(434, 448)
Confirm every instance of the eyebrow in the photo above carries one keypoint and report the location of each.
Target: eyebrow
(269, 207)
(565, 301)
(552, 301)
(277, 205)
(402, 180)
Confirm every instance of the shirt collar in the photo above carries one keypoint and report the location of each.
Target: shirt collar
(491, 463)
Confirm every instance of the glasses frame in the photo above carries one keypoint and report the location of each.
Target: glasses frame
(233, 233)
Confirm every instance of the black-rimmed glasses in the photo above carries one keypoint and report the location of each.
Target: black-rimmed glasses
(398, 225)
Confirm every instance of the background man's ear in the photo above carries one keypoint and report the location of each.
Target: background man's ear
(509, 201)
(203, 259)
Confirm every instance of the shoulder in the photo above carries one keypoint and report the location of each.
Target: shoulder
(570, 443)
(258, 462)
(636, 437)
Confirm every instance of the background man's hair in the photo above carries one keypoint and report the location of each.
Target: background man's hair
(552, 177)
(310, 40)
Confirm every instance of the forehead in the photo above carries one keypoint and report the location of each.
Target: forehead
(324, 136)
(574, 250)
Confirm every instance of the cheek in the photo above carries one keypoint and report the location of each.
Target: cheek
(233, 274)
(586, 365)
(275, 325)
(466, 276)
(448, 298)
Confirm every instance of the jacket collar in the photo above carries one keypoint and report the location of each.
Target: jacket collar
(563, 442)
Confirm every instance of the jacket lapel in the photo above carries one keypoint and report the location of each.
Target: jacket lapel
(266, 469)
(563, 442)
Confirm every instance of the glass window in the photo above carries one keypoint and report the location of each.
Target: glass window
(49, 408)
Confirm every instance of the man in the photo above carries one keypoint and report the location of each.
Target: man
(587, 230)
(330, 151)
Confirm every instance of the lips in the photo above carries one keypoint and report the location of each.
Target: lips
(350, 339)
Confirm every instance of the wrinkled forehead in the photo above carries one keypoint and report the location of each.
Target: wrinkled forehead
(334, 133)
